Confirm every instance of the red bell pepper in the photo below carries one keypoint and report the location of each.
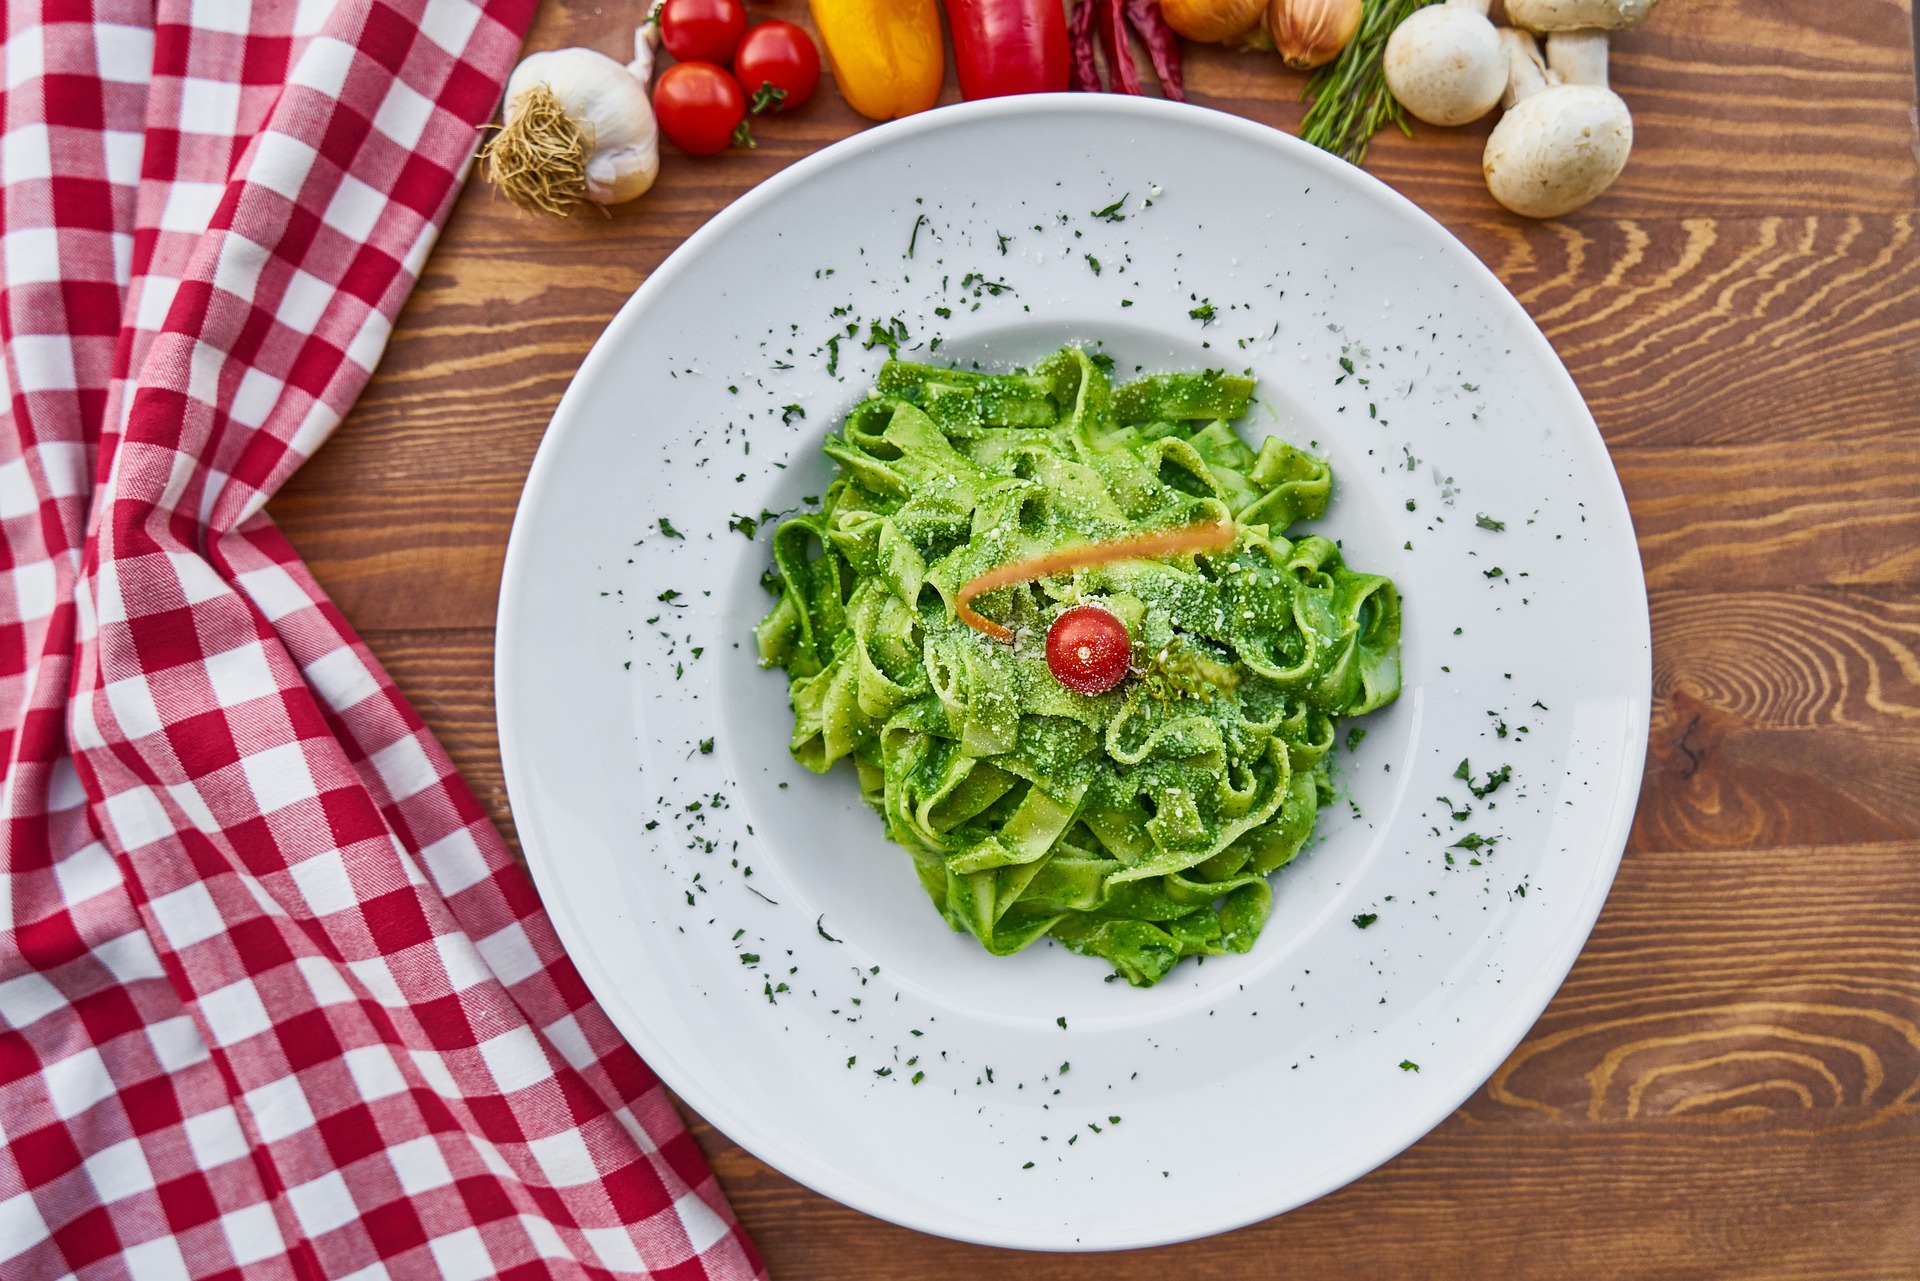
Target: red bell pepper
(1008, 46)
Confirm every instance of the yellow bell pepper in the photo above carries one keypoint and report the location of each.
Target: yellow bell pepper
(887, 56)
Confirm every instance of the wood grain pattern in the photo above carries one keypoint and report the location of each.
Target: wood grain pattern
(1782, 717)
(1727, 1084)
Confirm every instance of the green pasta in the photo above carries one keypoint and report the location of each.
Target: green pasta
(1139, 825)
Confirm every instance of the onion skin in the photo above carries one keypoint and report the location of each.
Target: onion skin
(1212, 21)
(1311, 33)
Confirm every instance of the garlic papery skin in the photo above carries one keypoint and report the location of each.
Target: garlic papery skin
(578, 126)
(1310, 33)
(1445, 64)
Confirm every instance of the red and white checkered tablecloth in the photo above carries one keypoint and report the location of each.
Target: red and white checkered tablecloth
(274, 1000)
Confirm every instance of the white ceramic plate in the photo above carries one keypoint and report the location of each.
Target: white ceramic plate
(646, 754)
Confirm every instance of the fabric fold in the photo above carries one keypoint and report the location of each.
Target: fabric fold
(275, 996)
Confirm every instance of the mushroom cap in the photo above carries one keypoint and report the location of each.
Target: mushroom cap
(1572, 15)
(1558, 149)
(1445, 64)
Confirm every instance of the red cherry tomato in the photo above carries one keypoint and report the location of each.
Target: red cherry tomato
(777, 60)
(1088, 649)
(699, 106)
(702, 30)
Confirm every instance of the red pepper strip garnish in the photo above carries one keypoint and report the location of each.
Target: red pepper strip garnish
(1163, 46)
(1086, 72)
(1161, 542)
(1122, 77)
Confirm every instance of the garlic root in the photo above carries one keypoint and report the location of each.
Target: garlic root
(1566, 136)
(578, 128)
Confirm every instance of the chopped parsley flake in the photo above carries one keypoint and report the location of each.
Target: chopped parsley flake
(1485, 521)
(1494, 779)
(666, 527)
(1365, 919)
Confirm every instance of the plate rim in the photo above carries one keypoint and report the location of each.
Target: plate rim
(715, 1107)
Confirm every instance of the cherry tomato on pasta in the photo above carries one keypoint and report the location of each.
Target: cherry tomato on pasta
(777, 65)
(699, 107)
(702, 30)
(1088, 649)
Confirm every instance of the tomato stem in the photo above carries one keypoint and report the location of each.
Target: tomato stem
(767, 97)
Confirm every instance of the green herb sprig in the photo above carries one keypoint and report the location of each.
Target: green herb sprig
(1350, 98)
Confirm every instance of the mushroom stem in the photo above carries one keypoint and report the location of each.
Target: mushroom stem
(1578, 57)
(1526, 70)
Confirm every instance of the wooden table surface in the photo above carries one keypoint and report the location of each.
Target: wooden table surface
(1728, 1085)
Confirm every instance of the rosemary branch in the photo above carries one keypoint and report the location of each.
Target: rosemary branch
(1350, 98)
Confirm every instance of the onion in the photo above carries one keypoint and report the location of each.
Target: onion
(1211, 20)
(1311, 32)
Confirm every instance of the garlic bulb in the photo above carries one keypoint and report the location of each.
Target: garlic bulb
(578, 127)
(1212, 20)
(1309, 33)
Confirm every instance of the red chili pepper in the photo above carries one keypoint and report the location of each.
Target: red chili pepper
(1113, 39)
(1086, 71)
(1008, 46)
(1113, 19)
(1163, 46)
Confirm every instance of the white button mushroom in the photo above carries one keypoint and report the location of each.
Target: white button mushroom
(1445, 63)
(1565, 136)
(1573, 15)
